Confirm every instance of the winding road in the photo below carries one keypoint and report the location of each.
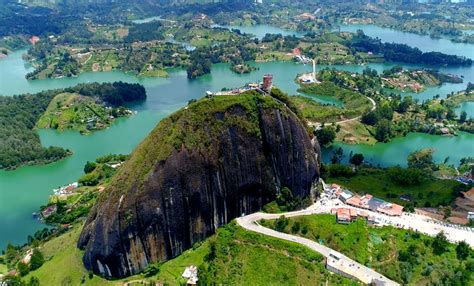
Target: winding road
(343, 264)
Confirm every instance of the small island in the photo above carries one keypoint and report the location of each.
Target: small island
(81, 113)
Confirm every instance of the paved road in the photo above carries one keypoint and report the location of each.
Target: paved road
(318, 124)
(345, 264)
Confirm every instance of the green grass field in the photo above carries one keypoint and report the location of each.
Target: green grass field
(354, 132)
(72, 111)
(354, 102)
(315, 111)
(63, 264)
(378, 183)
(3, 268)
(240, 258)
(401, 255)
(246, 258)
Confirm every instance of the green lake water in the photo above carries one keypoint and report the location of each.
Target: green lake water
(23, 190)
(259, 31)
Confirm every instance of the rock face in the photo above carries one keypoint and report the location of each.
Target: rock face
(200, 168)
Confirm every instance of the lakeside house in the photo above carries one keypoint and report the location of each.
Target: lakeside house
(49, 211)
(67, 189)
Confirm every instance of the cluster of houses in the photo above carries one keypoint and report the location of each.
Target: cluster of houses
(348, 215)
(367, 201)
(65, 190)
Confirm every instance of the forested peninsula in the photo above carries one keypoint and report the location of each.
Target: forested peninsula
(20, 143)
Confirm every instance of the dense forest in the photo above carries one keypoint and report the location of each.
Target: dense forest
(20, 143)
(116, 93)
(144, 32)
(404, 53)
(201, 59)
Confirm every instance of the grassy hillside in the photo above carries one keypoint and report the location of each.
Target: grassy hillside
(402, 255)
(245, 258)
(231, 257)
(77, 112)
(316, 111)
(354, 102)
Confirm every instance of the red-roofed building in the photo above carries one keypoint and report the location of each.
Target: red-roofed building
(353, 213)
(34, 40)
(391, 209)
(469, 194)
(343, 215)
(363, 214)
(354, 201)
(297, 51)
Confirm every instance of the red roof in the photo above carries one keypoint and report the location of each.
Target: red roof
(354, 201)
(393, 210)
(469, 194)
(344, 213)
(297, 51)
(34, 40)
(353, 212)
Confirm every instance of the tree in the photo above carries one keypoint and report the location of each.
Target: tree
(405, 177)
(22, 268)
(462, 250)
(370, 118)
(281, 223)
(463, 116)
(37, 259)
(440, 243)
(357, 159)
(90, 179)
(447, 212)
(405, 104)
(34, 281)
(325, 135)
(152, 269)
(11, 253)
(295, 228)
(337, 156)
(383, 130)
(284, 197)
(422, 159)
(450, 114)
(89, 167)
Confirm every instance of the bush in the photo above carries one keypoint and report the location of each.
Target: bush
(37, 259)
(440, 244)
(280, 223)
(90, 179)
(89, 167)
(339, 170)
(22, 268)
(357, 159)
(295, 228)
(152, 269)
(325, 135)
(462, 250)
(405, 177)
